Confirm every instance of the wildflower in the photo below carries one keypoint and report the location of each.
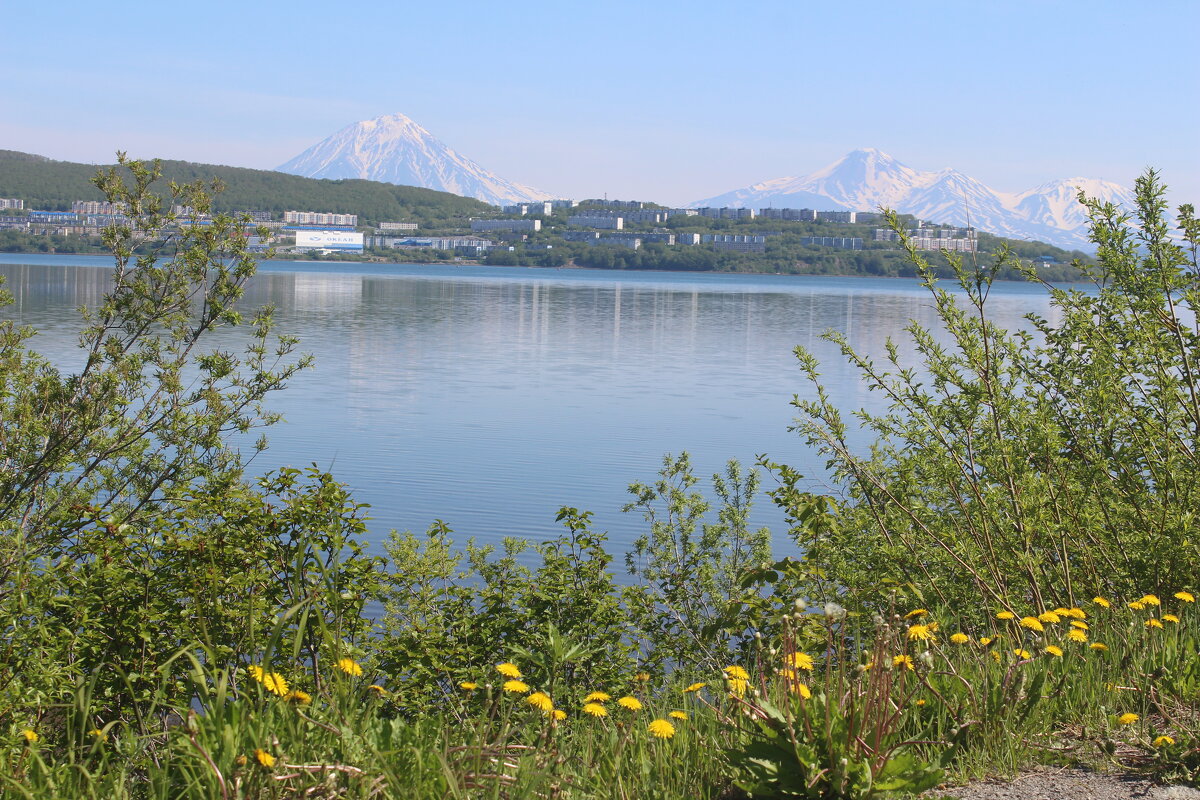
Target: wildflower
(468, 686)
(1128, 718)
(1100, 601)
(99, 734)
(1076, 635)
(803, 690)
(1022, 653)
(1098, 646)
(256, 672)
(920, 633)
(682, 715)
(349, 666)
(737, 672)
(1075, 613)
(631, 703)
(1137, 605)
(595, 710)
(921, 702)
(377, 689)
(1006, 615)
(1053, 650)
(509, 670)
(738, 687)
(30, 735)
(597, 697)
(1170, 618)
(559, 715)
(1062, 612)
(800, 661)
(264, 758)
(695, 687)
(273, 681)
(995, 656)
(1151, 600)
(903, 661)
(986, 640)
(1049, 617)
(516, 687)
(789, 674)
(298, 697)
(541, 701)
(1032, 624)
(642, 677)
(960, 638)
(661, 729)
(1186, 597)
(1083, 626)
(916, 612)
(1163, 741)
(1153, 623)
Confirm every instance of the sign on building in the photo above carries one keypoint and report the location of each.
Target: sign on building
(330, 240)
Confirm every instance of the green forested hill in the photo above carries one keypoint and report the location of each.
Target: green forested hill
(54, 185)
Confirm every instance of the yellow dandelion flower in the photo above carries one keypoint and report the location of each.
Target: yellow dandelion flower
(1100, 601)
(904, 661)
(516, 687)
(256, 672)
(661, 729)
(631, 703)
(789, 674)
(1032, 623)
(800, 661)
(1006, 615)
(1049, 617)
(274, 682)
(1022, 653)
(1083, 626)
(241, 761)
(920, 633)
(1163, 741)
(1098, 646)
(1151, 600)
(738, 686)
(468, 686)
(30, 735)
(1062, 612)
(350, 667)
(916, 612)
(678, 715)
(803, 690)
(1076, 635)
(1186, 597)
(99, 734)
(595, 710)
(1170, 618)
(1128, 718)
(264, 758)
(541, 701)
(1075, 613)
(509, 670)
(559, 715)
(933, 625)
(960, 638)
(1137, 605)
(597, 697)
(695, 687)
(921, 702)
(298, 697)
(986, 640)
(1053, 650)
(737, 672)
(1153, 623)
(642, 677)
(995, 656)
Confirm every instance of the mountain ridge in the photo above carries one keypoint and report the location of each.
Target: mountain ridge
(867, 178)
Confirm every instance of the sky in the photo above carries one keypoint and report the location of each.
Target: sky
(665, 101)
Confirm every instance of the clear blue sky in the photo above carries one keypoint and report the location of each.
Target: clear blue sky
(667, 101)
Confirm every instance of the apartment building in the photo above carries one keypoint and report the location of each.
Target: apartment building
(510, 225)
(319, 218)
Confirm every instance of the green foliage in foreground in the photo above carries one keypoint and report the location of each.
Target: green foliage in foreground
(172, 629)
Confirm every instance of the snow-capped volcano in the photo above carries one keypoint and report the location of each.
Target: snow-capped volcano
(394, 149)
(864, 180)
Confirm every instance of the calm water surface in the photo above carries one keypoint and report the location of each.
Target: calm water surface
(488, 397)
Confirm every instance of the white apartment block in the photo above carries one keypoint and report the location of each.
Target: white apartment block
(397, 226)
(591, 221)
(12, 202)
(513, 225)
(319, 218)
(522, 209)
(92, 207)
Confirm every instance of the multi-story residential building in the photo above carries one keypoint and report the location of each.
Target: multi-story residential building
(839, 242)
(632, 205)
(257, 217)
(96, 207)
(434, 242)
(923, 238)
(513, 225)
(792, 214)
(14, 203)
(581, 236)
(522, 209)
(687, 238)
(726, 213)
(837, 216)
(319, 218)
(681, 212)
(557, 204)
(14, 223)
(397, 226)
(593, 221)
(631, 240)
(738, 243)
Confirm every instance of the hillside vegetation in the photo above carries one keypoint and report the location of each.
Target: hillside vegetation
(54, 185)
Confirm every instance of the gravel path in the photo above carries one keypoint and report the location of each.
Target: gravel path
(1068, 784)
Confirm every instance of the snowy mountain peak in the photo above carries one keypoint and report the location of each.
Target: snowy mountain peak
(867, 179)
(395, 149)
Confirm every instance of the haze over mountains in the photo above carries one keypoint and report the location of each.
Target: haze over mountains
(394, 149)
(866, 179)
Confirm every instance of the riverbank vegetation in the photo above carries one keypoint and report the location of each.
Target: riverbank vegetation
(1006, 577)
